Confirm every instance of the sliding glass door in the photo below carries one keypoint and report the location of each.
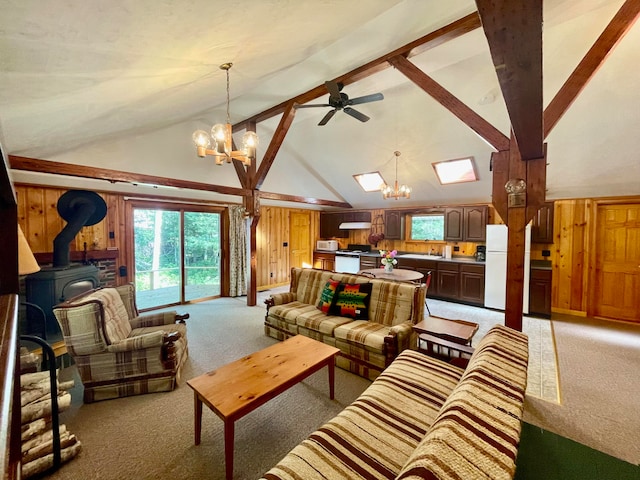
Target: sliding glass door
(177, 255)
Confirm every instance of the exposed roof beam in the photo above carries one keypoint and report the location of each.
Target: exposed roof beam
(475, 122)
(438, 37)
(590, 64)
(514, 32)
(275, 144)
(72, 170)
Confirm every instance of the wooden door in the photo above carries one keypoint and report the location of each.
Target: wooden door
(300, 240)
(617, 275)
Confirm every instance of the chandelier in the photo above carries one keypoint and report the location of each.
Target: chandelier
(396, 192)
(222, 140)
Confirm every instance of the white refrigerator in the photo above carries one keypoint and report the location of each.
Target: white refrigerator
(495, 286)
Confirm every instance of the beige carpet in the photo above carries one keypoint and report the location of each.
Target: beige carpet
(151, 436)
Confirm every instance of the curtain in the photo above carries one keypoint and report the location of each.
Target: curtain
(237, 251)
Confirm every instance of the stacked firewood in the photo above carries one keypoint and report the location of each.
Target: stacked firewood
(37, 433)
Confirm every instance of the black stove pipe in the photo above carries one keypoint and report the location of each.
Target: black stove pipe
(83, 209)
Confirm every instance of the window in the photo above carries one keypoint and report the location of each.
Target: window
(425, 227)
(370, 182)
(456, 171)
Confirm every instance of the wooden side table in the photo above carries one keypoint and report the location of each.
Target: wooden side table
(448, 340)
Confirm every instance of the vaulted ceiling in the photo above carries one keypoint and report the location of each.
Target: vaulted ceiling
(122, 85)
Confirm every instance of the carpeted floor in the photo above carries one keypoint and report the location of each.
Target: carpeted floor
(151, 436)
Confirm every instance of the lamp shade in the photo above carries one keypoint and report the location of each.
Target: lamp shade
(26, 261)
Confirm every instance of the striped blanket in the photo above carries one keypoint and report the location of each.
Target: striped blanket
(425, 419)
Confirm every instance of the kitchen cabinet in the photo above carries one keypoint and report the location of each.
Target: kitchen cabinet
(542, 224)
(465, 223)
(453, 224)
(540, 292)
(448, 280)
(324, 260)
(394, 225)
(475, 223)
(330, 223)
(424, 267)
(472, 284)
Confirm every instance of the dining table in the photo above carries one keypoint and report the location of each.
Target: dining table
(397, 274)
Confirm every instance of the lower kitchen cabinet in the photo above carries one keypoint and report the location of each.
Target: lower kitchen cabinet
(448, 280)
(369, 261)
(424, 267)
(472, 284)
(540, 292)
(324, 260)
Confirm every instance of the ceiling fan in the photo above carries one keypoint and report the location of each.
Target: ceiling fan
(341, 101)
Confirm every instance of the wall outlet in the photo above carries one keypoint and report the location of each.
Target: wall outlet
(285, 244)
(456, 248)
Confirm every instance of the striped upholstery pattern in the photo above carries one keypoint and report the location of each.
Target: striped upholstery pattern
(110, 363)
(425, 419)
(373, 437)
(476, 434)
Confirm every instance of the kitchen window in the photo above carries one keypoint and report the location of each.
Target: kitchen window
(426, 227)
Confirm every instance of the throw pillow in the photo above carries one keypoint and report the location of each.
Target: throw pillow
(352, 300)
(327, 296)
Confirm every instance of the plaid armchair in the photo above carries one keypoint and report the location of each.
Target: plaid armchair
(119, 353)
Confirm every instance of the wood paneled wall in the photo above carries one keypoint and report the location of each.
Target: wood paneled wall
(570, 252)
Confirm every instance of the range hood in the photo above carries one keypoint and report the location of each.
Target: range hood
(355, 226)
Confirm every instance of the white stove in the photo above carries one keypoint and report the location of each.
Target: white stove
(348, 260)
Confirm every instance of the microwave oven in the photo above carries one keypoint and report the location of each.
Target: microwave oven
(329, 245)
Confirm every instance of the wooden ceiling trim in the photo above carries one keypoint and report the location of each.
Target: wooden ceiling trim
(475, 122)
(295, 198)
(275, 144)
(617, 28)
(442, 35)
(514, 32)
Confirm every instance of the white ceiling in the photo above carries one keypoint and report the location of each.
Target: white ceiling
(123, 84)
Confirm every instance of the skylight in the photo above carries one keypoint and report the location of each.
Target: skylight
(456, 171)
(370, 182)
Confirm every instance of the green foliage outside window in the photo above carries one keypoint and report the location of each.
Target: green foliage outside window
(427, 227)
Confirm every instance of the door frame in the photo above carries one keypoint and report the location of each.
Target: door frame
(131, 203)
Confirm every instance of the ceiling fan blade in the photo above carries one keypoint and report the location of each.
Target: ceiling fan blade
(334, 90)
(374, 97)
(356, 114)
(327, 117)
(312, 105)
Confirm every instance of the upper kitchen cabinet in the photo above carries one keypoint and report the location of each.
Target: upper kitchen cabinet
(475, 223)
(453, 224)
(465, 224)
(330, 225)
(394, 225)
(542, 224)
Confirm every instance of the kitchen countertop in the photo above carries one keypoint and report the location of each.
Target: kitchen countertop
(425, 256)
(541, 264)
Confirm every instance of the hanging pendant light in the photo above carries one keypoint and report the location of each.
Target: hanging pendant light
(222, 140)
(402, 191)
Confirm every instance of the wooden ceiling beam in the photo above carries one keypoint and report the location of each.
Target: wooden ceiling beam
(442, 35)
(591, 63)
(475, 122)
(113, 176)
(274, 146)
(514, 32)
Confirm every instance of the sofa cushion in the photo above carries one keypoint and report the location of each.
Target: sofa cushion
(319, 322)
(392, 303)
(289, 312)
(309, 285)
(477, 432)
(352, 300)
(370, 335)
(328, 295)
(373, 436)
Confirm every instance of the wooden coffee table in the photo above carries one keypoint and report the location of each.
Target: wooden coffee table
(457, 331)
(240, 387)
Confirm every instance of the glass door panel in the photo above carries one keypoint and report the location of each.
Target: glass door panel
(202, 247)
(158, 260)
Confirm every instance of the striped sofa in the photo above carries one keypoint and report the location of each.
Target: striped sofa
(119, 353)
(366, 346)
(425, 419)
